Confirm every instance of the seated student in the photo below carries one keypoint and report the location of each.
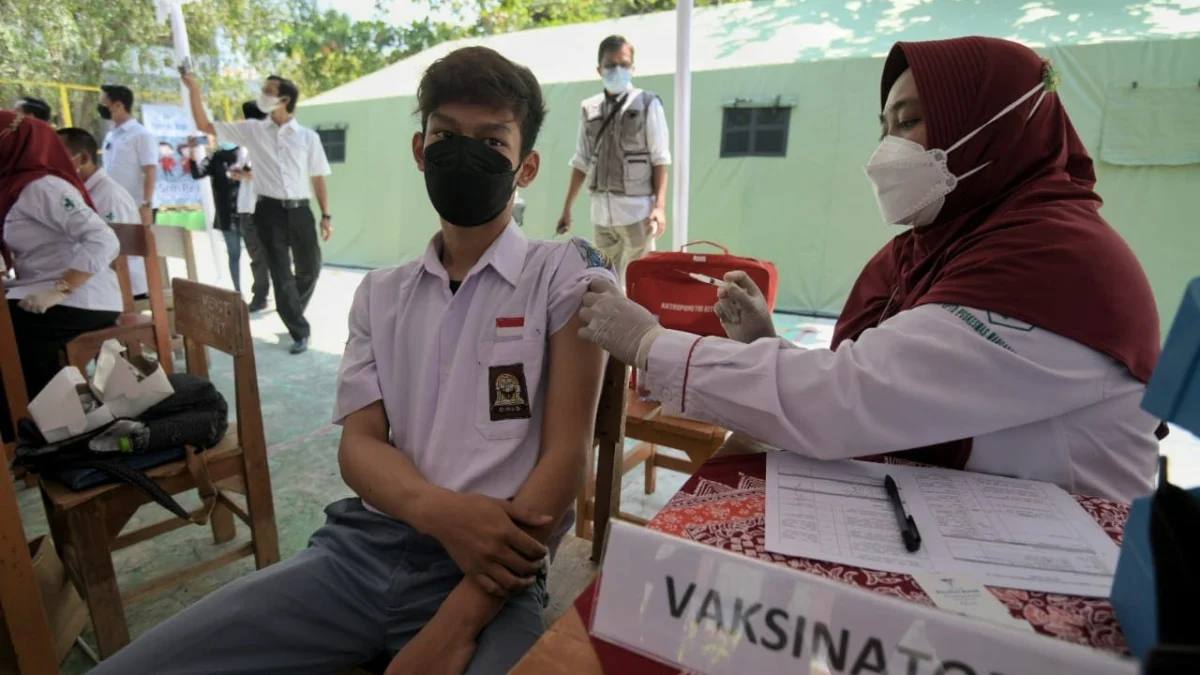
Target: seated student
(465, 476)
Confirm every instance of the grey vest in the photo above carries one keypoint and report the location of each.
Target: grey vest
(621, 152)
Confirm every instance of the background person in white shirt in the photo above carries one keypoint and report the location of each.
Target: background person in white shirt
(243, 172)
(287, 157)
(112, 202)
(130, 150)
(58, 247)
(623, 152)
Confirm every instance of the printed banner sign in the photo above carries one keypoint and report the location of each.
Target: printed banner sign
(171, 125)
(710, 611)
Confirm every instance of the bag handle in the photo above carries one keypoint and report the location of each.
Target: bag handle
(705, 241)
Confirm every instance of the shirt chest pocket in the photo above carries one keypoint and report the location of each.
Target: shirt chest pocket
(510, 387)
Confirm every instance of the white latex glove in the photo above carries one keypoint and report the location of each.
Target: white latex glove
(624, 328)
(39, 302)
(742, 309)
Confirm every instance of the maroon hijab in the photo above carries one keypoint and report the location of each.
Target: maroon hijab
(1024, 236)
(29, 150)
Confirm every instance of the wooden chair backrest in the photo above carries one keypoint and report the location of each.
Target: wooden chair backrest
(139, 240)
(10, 370)
(175, 242)
(610, 414)
(207, 316)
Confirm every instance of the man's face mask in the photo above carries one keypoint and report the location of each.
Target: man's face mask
(911, 183)
(617, 79)
(469, 183)
(104, 112)
(267, 103)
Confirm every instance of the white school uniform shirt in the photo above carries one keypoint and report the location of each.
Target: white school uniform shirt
(246, 197)
(116, 205)
(611, 210)
(439, 361)
(49, 230)
(285, 157)
(127, 148)
(1038, 405)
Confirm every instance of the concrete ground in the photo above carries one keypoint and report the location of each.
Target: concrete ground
(297, 398)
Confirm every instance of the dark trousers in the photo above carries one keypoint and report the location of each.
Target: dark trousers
(287, 236)
(233, 250)
(259, 269)
(40, 339)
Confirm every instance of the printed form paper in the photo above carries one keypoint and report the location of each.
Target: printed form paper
(1000, 531)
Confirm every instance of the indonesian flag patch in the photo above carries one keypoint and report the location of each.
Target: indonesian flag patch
(510, 327)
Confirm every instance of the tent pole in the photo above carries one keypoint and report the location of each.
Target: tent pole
(683, 121)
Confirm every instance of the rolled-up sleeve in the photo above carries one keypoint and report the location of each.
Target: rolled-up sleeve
(923, 377)
(94, 245)
(583, 146)
(358, 378)
(147, 149)
(658, 137)
(318, 163)
(578, 265)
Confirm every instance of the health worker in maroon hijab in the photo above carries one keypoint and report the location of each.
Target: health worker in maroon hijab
(1007, 329)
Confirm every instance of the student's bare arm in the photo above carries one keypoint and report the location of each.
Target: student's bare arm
(478, 531)
(568, 428)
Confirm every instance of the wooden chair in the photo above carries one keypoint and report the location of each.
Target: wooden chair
(645, 422)
(133, 329)
(173, 242)
(87, 525)
(609, 431)
(20, 596)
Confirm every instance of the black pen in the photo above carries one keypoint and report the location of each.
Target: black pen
(908, 526)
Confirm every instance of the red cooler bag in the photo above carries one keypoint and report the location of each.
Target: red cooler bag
(660, 283)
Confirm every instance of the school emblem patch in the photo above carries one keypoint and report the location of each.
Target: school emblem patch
(69, 204)
(593, 256)
(508, 393)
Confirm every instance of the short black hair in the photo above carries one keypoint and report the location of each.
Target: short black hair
(119, 93)
(612, 43)
(251, 112)
(32, 105)
(80, 140)
(287, 88)
(481, 76)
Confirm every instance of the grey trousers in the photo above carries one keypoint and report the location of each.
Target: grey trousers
(623, 244)
(364, 587)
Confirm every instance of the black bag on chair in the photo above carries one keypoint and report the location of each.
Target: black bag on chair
(195, 415)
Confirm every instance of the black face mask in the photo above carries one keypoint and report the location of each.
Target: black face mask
(105, 113)
(468, 181)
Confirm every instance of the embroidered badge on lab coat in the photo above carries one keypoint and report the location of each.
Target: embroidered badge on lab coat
(509, 395)
(593, 256)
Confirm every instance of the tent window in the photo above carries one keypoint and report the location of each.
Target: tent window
(755, 132)
(334, 141)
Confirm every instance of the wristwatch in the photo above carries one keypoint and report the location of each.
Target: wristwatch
(326, 216)
(145, 202)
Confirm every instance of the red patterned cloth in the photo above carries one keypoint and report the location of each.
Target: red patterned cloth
(723, 505)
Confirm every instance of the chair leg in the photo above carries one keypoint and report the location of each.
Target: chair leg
(608, 495)
(223, 528)
(651, 473)
(85, 528)
(263, 533)
(586, 493)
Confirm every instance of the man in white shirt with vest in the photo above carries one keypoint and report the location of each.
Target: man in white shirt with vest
(287, 157)
(130, 150)
(623, 152)
(113, 202)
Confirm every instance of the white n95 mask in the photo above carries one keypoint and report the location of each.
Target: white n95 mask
(267, 103)
(911, 183)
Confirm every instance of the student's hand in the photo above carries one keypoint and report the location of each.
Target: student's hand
(188, 79)
(742, 309)
(658, 222)
(624, 328)
(440, 648)
(484, 537)
(564, 223)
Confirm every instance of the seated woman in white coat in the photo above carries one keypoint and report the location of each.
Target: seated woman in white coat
(1009, 330)
(60, 250)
